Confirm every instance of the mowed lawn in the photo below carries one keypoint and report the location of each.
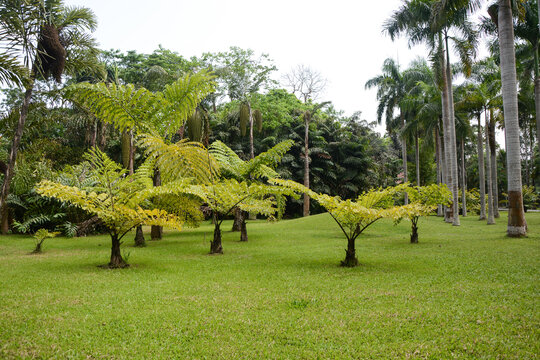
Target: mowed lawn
(462, 292)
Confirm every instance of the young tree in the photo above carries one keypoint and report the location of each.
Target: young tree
(40, 237)
(424, 200)
(116, 199)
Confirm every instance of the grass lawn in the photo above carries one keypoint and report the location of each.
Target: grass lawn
(462, 292)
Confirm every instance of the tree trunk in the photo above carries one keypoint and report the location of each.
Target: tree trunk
(156, 232)
(238, 218)
(463, 179)
(481, 167)
(490, 218)
(117, 261)
(537, 105)
(417, 157)
(307, 119)
(493, 152)
(139, 237)
(517, 226)
(6, 186)
(414, 231)
(449, 210)
(38, 250)
(350, 255)
(215, 245)
(404, 156)
(438, 162)
(251, 147)
(243, 232)
(88, 226)
(452, 151)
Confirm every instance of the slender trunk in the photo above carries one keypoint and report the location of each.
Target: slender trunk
(481, 167)
(117, 261)
(8, 177)
(493, 154)
(537, 91)
(414, 230)
(417, 157)
(93, 141)
(449, 210)
(307, 118)
(452, 138)
(463, 179)
(156, 232)
(251, 148)
(490, 218)
(438, 162)
(404, 155)
(215, 245)
(38, 249)
(517, 225)
(243, 231)
(350, 255)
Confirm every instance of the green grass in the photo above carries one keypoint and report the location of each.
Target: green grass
(463, 292)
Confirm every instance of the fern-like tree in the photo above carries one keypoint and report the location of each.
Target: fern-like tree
(51, 39)
(258, 169)
(423, 201)
(354, 216)
(226, 195)
(116, 198)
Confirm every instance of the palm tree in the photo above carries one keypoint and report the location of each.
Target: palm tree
(517, 225)
(390, 93)
(51, 39)
(437, 22)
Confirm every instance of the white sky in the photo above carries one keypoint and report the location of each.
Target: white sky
(341, 39)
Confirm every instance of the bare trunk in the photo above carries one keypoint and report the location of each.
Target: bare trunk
(438, 162)
(493, 153)
(139, 237)
(449, 210)
(417, 157)
(463, 179)
(404, 156)
(243, 232)
(156, 232)
(6, 186)
(481, 175)
(517, 225)
(307, 119)
(537, 104)
(414, 231)
(490, 218)
(452, 151)
(117, 261)
(215, 245)
(251, 148)
(238, 219)
(350, 255)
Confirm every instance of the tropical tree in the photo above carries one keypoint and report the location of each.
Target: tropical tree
(517, 225)
(115, 198)
(50, 39)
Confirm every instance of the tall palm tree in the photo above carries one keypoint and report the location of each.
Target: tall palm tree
(391, 92)
(517, 225)
(51, 39)
(435, 22)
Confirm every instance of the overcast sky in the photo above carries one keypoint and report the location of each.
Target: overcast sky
(341, 39)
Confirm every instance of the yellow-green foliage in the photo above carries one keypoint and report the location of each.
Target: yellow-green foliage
(424, 200)
(262, 166)
(129, 108)
(184, 159)
(115, 198)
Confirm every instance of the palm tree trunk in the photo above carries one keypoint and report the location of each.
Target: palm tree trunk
(251, 147)
(537, 104)
(481, 175)
(463, 180)
(8, 177)
(517, 225)
(452, 151)
(417, 157)
(404, 155)
(493, 150)
(490, 218)
(307, 119)
(448, 210)
(438, 162)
